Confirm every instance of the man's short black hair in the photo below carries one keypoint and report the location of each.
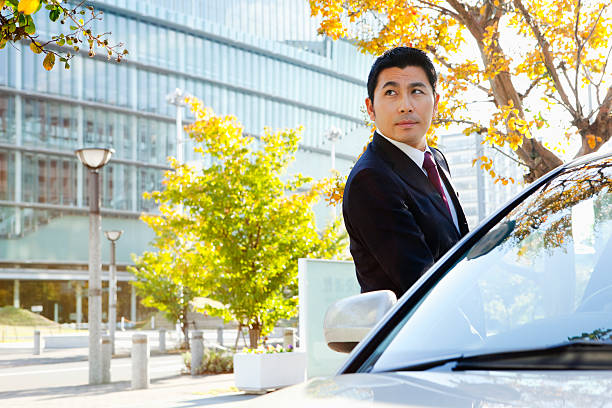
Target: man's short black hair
(401, 57)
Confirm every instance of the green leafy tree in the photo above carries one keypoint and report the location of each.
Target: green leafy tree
(245, 219)
(165, 279)
(16, 17)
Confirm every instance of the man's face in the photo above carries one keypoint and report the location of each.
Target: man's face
(404, 104)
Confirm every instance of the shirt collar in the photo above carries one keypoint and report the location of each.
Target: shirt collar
(417, 156)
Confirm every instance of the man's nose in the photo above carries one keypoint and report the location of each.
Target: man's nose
(405, 105)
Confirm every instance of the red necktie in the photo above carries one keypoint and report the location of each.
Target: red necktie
(434, 177)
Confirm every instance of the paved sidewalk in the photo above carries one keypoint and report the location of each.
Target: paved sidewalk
(169, 392)
(173, 392)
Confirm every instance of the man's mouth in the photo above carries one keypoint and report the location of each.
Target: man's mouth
(406, 124)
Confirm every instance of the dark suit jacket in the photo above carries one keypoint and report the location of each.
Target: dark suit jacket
(397, 221)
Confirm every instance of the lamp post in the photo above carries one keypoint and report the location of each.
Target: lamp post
(333, 135)
(112, 236)
(177, 98)
(94, 158)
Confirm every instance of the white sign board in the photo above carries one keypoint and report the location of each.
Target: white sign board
(36, 308)
(321, 283)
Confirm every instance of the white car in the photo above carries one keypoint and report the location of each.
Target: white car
(518, 313)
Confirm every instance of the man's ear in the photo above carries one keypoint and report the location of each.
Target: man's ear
(435, 107)
(370, 108)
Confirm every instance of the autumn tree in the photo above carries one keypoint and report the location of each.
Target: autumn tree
(18, 24)
(245, 219)
(528, 57)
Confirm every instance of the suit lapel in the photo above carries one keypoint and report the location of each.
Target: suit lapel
(409, 172)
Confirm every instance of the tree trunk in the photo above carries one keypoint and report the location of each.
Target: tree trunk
(594, 135)
(185, 328)
(254, 333)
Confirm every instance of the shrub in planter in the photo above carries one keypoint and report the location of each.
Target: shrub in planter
(213, 362)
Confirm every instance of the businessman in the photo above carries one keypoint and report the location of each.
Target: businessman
(400, 209)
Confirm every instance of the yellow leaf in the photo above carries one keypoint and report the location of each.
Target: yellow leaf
(2, 4)
(28, 6)
(35, 47)
(49, 61)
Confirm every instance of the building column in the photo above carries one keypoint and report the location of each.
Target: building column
(133, 305)
(16, 302)
(81, 171)
(79, 304)
(17, 226)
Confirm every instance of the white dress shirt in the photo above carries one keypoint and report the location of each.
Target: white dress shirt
(418, 157)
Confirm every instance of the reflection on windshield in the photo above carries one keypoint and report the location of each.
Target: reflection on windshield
(603, 335)
(542, 276)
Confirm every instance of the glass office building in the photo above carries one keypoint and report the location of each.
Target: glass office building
(478, 193)
(259, 60)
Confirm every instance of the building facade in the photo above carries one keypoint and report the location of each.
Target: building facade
(478, 192)
(259, 60)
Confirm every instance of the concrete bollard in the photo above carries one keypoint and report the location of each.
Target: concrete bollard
(152, 322)
(122, 323)
(106, 359)
(220, 336)
(289, 337)
(197, 350)
(140, 361)
(36, 342)
(162, 340)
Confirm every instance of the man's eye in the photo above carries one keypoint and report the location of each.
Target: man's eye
(419, 91)
(390, 92)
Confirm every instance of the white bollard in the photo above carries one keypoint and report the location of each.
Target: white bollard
(140, 361)
(162, 340)
(36, 342)
(289, 337)
(197, 351)
(106, 359)
(220, 336)
(122, 323)
(152, 322)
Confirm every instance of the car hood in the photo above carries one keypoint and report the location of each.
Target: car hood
(438, 389)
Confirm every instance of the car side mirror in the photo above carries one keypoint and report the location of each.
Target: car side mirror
(350, 319)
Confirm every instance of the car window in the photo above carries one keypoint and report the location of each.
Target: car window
(541, 276)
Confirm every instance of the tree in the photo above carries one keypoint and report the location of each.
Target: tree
(565, 47)
(245, 219)
(165, 278)
(18, 24)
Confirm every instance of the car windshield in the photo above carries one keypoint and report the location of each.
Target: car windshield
(540, 277)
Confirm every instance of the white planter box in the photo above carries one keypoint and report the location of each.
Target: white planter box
(260, 372)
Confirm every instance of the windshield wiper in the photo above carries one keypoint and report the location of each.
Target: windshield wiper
(576, 355)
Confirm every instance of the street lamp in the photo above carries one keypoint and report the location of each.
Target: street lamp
(177, 98)
(333, 135)
(112, 236)
(94, 158)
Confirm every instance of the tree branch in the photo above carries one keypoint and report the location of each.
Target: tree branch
(514, 159)
(448, 65)
(531, 87)
(443, 10)
(579, 46)
(548, 60)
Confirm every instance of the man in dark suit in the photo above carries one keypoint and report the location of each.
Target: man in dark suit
(400, 209)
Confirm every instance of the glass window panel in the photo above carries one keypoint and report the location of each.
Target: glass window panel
(7, 118)
(111, 82)
(4, 61)
(142, 90)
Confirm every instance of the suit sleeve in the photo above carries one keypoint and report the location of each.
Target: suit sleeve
(381, 219)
